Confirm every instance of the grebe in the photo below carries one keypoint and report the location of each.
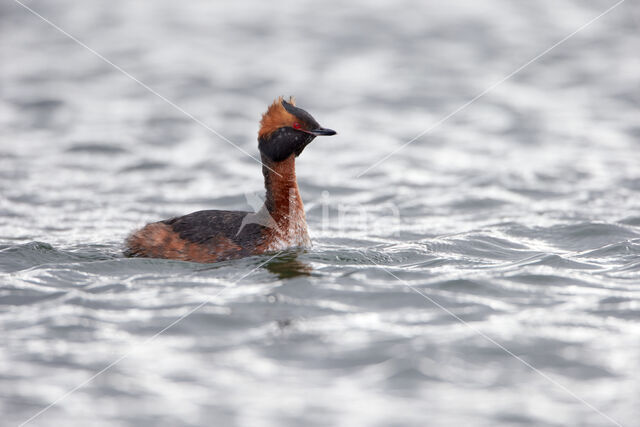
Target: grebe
(213, 235)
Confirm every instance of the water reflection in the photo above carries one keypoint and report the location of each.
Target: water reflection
(287, 266)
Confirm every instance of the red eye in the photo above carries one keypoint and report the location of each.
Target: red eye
(296, 125)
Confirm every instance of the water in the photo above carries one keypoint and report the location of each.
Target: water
(514, 223)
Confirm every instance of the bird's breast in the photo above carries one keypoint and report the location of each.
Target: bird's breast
(291, 227)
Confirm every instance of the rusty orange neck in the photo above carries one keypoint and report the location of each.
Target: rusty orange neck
(283, 197)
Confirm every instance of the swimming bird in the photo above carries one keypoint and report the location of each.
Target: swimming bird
(215, 235)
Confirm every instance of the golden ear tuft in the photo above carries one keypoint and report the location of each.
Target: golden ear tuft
(276, 117)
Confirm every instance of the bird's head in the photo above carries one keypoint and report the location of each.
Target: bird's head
(286, 129)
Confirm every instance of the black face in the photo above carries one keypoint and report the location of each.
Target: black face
(284, 142)
(287, 141)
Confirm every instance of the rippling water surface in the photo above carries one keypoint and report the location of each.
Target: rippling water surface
(486, 274)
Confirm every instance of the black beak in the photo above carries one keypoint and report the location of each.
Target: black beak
(323, 131)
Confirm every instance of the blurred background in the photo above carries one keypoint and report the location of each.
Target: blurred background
(519, 214)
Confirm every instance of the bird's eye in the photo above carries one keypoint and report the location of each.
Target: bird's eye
(296, 125)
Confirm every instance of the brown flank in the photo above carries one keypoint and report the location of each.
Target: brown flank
(158, 240)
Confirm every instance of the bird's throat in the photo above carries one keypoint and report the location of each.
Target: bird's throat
(283, 197)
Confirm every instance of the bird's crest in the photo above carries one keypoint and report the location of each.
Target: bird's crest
(276, 117)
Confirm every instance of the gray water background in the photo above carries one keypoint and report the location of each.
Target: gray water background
(520, 214)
